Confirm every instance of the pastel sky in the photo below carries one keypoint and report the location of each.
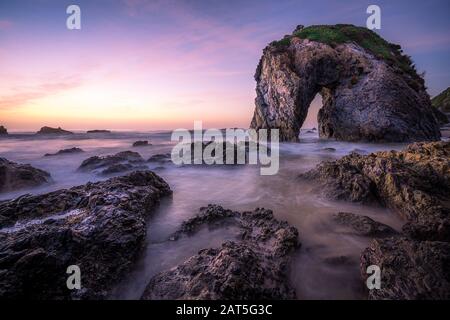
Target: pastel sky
(147, 65)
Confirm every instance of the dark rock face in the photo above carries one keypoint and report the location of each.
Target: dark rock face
(254, 268)
(15, 176)
(364, 97)
(98, 131)
(64, 151)
(119, 162)
(3, 130)
(49, 130)
(441, 117)
(414, 182)
(364, 226)
(141, 143)
(410, 270)
(98, 226)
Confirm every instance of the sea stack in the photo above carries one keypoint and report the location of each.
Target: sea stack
(3, 130)
(49, 130)
(371, 91)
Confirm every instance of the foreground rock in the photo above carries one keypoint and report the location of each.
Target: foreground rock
(15, 176)
(410, 270)
(364, 226)
(252, 269)
(119, 162)
(64, 152)
(3, 130)
(99, 227)
(414, 182)
(370, 90)
(56, 131)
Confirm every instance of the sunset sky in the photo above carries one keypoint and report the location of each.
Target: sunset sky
(147, 65)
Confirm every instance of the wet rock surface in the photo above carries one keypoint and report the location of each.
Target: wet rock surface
(56, 131)
(64, 152)
(364, 226)
(410, 269)
(414, 182)
(99, 227)
(111, 164)
(15, 176)
(365, 97)
(253, 268)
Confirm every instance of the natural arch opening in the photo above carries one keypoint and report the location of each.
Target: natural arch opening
(311, 120)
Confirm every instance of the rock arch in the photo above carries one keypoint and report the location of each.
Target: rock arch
(366, 96)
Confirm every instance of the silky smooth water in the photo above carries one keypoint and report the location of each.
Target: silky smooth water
(235, 187)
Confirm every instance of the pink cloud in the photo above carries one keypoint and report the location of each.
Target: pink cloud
(5, 24)
(23, 95)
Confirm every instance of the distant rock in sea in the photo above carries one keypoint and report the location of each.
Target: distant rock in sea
(98, 131)
(3, 130)
(64, 151)
(15, 176)
(141, 143)
(49, 130)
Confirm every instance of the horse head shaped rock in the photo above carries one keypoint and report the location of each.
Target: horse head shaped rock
(370, 90)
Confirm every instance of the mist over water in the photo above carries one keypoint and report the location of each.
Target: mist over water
(234, 187)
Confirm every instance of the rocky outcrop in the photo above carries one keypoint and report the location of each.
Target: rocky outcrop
(370, 90)
(111, 164)
(15, 176)
(99, 227)
(363, 225)
(55, 131)
(64, 152)
(253, 268)
(415, 183)
(410, 270)
(442, 101)
(141, 143)
(3, 130)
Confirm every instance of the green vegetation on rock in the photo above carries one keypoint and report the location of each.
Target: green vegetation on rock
(442, 101)
(334, 35)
